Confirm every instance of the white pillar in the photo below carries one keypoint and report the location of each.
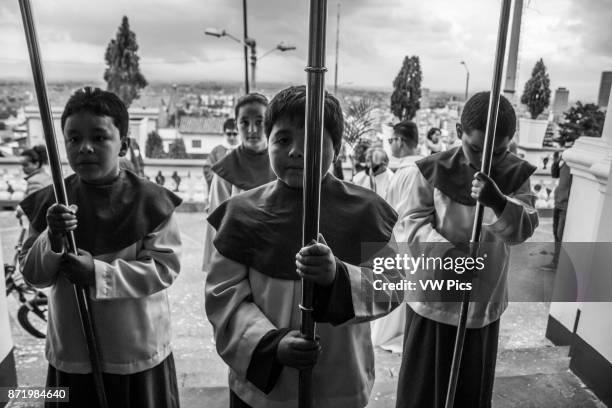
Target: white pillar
(589, 220)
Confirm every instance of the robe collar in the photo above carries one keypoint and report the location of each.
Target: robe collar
(262, 228)
(450, 172)
(244, 168)
(110, 217)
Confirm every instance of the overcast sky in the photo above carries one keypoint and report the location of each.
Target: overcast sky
(574, 37)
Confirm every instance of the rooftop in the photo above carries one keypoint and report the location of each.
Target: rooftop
(199, 125)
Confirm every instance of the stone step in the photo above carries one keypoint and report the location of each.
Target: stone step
(528, 361)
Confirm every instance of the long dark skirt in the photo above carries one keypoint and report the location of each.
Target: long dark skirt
(152, 388)
(427, 358)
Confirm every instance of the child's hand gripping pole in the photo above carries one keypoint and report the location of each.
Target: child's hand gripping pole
(315, 94)
(60, 191)
(487, 156)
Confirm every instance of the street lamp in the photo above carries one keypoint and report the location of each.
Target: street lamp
(280, 47)
(467, 78)
(252, 44)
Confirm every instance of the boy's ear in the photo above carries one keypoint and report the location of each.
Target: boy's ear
(125, 145)
(459, 130)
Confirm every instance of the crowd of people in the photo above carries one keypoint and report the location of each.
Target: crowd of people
(254, 261)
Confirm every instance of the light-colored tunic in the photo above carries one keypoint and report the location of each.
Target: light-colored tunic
(220, 190)
(429, 216)
(244, 304)
(129, 303)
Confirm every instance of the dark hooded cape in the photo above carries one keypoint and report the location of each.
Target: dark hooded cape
(451, 173)
(111, 216)
(262, 228)
(244, 168)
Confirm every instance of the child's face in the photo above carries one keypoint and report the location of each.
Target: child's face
(472, 143)
(286, 152)
(93, 146)
(250, 126)
(28, 165)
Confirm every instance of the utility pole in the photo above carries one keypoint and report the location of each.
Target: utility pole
(253, 46)
(337, 45)
(512, 67)
(246, 48)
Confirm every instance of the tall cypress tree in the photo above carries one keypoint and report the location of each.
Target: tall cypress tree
(405, 99)
(536, 94)
(122, 74)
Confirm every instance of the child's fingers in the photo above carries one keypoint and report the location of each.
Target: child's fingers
(61, 208)
(322, 239)
(307, 271)
(63, 216)
(62, 224)
(300, 343)
(315, 249)
(311, 260)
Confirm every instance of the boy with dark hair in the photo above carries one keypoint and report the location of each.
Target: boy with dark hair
(253, 289)
(128, 254)
(439, 213)
(231, 142)
(245, 167)
(404, 145)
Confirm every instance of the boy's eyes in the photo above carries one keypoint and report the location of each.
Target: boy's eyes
(282, 140)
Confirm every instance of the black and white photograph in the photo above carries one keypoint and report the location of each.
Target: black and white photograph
(306, 204)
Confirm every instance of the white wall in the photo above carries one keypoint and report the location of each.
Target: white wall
(588, 220)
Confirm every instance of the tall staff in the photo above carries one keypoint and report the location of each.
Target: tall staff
(60, 191)
(315, 96)
(486, 169)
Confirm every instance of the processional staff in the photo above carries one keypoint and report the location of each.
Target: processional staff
(60, 192)
(485, 168)
(315, 94)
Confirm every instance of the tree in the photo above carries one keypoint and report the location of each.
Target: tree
(536, 94)
(154, 147)
(581, 120)
(358, 120)
(177, 149)
(122, 74)
(407, 89)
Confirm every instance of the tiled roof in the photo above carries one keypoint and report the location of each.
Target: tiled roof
(194, 124)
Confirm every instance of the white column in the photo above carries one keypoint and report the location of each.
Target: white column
(589, 219)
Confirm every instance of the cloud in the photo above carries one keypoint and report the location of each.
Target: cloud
(572, 36)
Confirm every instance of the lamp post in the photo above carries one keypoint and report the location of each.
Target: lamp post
(252, 44)
(467, 78)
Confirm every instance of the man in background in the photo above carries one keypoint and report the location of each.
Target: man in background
(231, 141)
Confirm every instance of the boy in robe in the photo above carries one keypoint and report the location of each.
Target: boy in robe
(128, 254)
(253, 289)
(437, 216)
(245, 167)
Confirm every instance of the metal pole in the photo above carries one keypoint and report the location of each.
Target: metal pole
(337, 47)
(253, 46)
(315, 94)
(485, 168)
(246, 48)
(467, 84)
(60, 192)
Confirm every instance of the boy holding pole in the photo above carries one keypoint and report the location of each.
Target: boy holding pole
(129, 247)
(438, 214)
(253, 288)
